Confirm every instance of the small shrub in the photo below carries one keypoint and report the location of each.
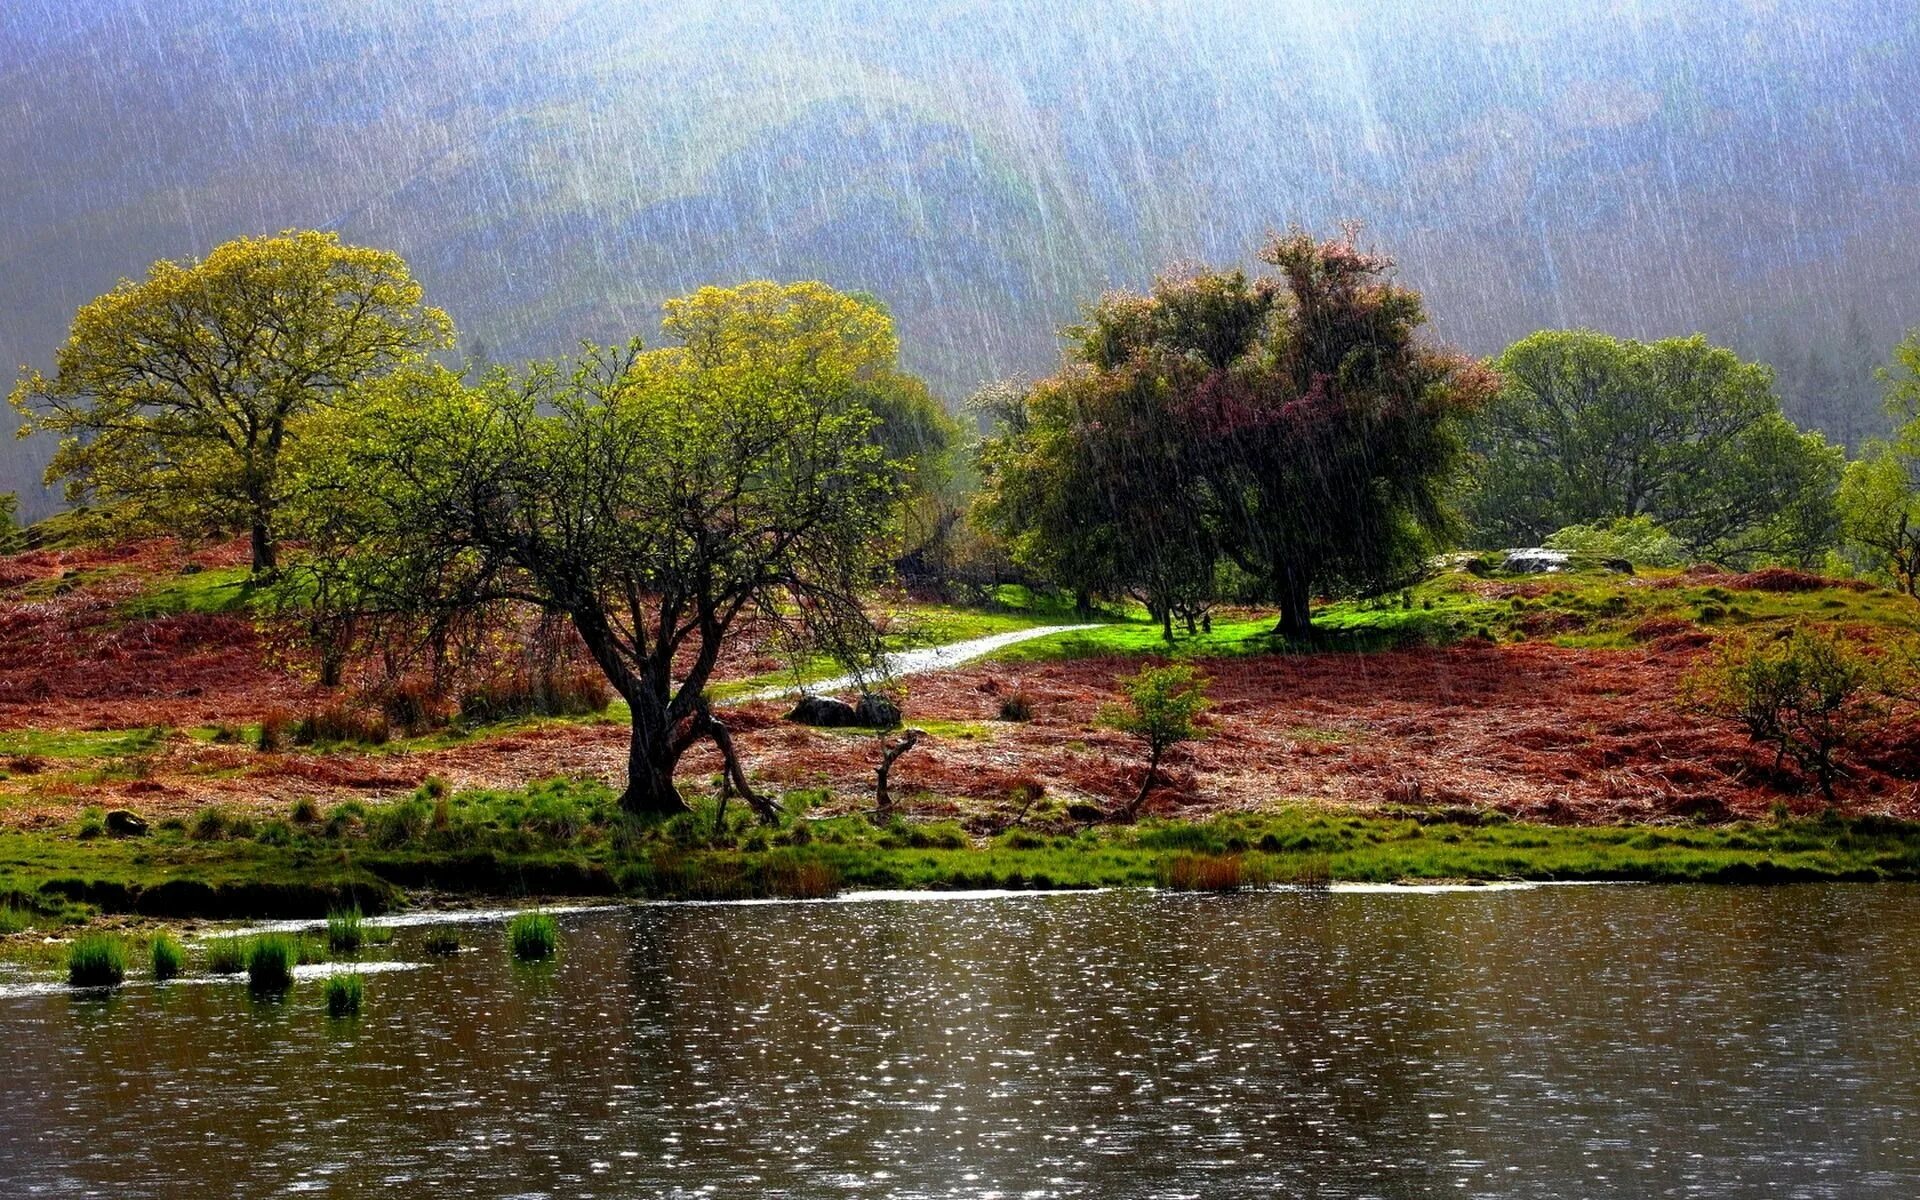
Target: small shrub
(275, 833)
(1016, 706)
(96, 960)
(305, 811)
(532, 936)
(555, 692)
(92, 825)
(271, 958)
(209, 824)
(343, 817)
(397, 825)
(1161, 708)
(342, 723)
(1808, 694)
(434, 788)
(346, 930)
(276, 730)
(413, 706)
(167, 956)
(344, 994)
(227, 955)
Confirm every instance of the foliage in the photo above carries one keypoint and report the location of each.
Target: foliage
(271, 958)
(1292, 426)
(1161, 707)
(9, 521)
(664, 502)
(1587, 428)
(96, 960)
(1639, 540)
(1808, 693)
(1879, 506)
(345, 994)
(177, 398)
(532, 936)
(167, 956)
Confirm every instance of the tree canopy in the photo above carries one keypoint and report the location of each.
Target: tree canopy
(661, 500)
(175, 397)
(1589, 427)
(1294, 426)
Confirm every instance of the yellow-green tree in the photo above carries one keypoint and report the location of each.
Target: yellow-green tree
(176, 397)
(662, 501)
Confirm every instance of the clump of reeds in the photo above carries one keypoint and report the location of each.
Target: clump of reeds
(167, 956)
(1206, 873)
(801, 879)
(270, 962)
(346, 930)
(227, 955)
(1313, 871)
(96, 960)
(344, 994)
(533, 936)
(442, 941)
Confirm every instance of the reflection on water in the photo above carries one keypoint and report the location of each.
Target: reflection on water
(1551, 1043)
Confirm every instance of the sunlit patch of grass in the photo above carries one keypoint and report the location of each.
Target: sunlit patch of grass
(80, 743)
(227, 956)
(533, 936)
(97, 960)
(221, 590)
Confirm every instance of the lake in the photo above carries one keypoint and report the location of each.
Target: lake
(1544, 1042)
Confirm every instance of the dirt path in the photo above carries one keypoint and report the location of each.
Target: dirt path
(901, 663)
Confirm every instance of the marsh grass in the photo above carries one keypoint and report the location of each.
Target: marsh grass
(533, 936)
(344, 995)
(97, 960)
(270, 961)
(226, 956)
(1206, 873)
(346, 930)
(442, 941)
(166, 955)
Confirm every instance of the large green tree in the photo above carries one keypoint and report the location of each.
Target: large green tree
(1589, 427)
(175, 397)
(1294, 424)
(661, 501)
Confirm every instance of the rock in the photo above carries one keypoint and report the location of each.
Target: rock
(121, 823)
(823, 711)
(1534, 561)
(876, 711)
(1619, 566)
(1087, 813)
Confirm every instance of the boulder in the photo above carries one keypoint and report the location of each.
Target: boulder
(121, 823)
(876, 711)
(1619, 566)
(823, 711)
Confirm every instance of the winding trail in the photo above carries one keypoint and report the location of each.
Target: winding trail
(918, 661)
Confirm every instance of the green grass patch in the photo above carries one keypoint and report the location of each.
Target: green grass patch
(271, 958)
(166, 955)
(344, 995)
(97, 960)
(532, 936)
(75, 743)
(223, 590)
(346, 931)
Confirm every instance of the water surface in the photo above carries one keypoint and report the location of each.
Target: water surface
(1554, 1042)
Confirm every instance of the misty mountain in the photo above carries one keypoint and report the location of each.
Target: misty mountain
(553, 168)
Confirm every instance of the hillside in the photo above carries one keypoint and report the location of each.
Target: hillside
(553, 168)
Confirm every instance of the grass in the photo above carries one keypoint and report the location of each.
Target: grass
(221, 590)
(346, 930)
(80, 743)
(533, 936)
(167, 956)
(271, 958)
(441, 942)
(97, 960)
(226, 956)
(344, 995)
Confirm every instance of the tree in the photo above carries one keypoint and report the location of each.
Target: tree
(9, 520)
(1161, 708)
(1295, 426)
(175, 398)
(665, 502)
(1879, 509)
(1588, 428)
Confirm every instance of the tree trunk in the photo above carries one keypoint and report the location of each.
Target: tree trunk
(1296, 608)
(1146, 785)
(733, 772)
(1083, 602)
(266, 556)
(650, 791)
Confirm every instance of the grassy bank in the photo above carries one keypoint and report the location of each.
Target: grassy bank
(569, 839)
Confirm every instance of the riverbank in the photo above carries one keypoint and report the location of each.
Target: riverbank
(568, 840)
